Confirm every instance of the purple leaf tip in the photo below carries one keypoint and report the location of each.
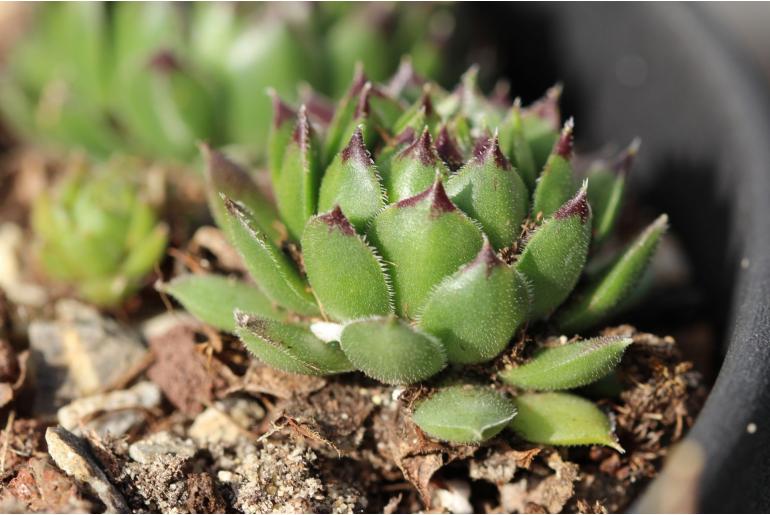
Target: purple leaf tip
(494, 152)
(222, 173)
(356, 149)
(336, 219)
(576, 206)
(625, 160)
(487, 257)
(422, 149)
(164, 61)
(281, 110)
(435, 195)
(448, 150)
(565, 142)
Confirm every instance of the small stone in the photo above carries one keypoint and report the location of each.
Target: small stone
(226, 421)
(71, 454)
(78, 354)
(160, 444)
(118, 411)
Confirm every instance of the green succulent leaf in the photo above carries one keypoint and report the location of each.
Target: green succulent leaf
(556, 184)
(423, 239)
(555, 254)
(391, 351)
(281, 131)
(214, 298)
(557, 418)
(290, 347)
(568, 366)
(491, 192)
(418, 115)
(297, 188)
(344, 116)
(142, 255)
(514, 143)
(352, 182)
(269, 267)
(605, 193)
(224, 177)
(604, 294)
(345, 273)
(464, 414)
(541, 122)
(414, 169)
(476, 311)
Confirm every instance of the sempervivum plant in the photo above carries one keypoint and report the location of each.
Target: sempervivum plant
(98, 232)
(153, 78)
(411, 238)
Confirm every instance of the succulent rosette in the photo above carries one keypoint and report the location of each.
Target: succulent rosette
(98, 231)
(414, 235)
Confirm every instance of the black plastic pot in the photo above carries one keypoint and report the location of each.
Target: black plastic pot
(667, 73)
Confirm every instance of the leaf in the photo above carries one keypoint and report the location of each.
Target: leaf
(414, 169)
(343, 116)
(476, 311)
(418, 115)
(556, 184)
(464, 414)
(604, 294)
(269, 267)
(555, 254)
(448, 149)
(491, 192)
(541, 122)
(214, 298)
(297, 187)
(557, 418)
(224, 177)
(422, 239)
(514, 144)
(144, 254)
(390, 351)
(352, 183)
(281, 130)
(346, 275)
(605, 193)
(289, 347)
(568, 366)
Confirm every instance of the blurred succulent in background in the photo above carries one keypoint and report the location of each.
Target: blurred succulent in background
(408, 237)
(153, 78)
(98, 232)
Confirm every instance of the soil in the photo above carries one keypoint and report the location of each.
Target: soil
(231, 435)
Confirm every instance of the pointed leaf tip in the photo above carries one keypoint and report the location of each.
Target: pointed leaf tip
(565, 143)
(577, 205)
(493, 152)
(281, 110)
(362, 107)
(487, 257)
(557, 418)
(448, 150)
(336, 219)
(422, 149)
(626, 158)
(436, 194)
(301, 134)
(356, 149)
